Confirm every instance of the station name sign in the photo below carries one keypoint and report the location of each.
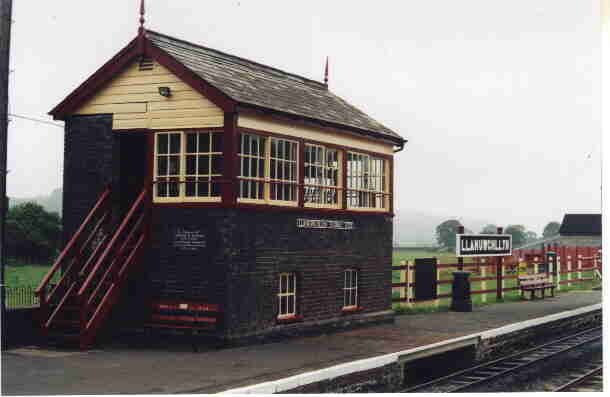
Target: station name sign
(483, 245)
(324, 224)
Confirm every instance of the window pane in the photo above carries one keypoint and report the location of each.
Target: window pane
(204, 142)
(162, 144)
(217, 164)
(162, 166)
(203, 189)
(215, 189)
(173, 189)
(191, 143)
(245, 142)
(291, 304)
(190, 189)
(162, 189)
(175, 143)
(191, 162)
(174, 165)
(203, 165)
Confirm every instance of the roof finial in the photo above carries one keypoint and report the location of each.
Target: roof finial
(142, 19)
(326, 72)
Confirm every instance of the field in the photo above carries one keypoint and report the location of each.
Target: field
(25, 275)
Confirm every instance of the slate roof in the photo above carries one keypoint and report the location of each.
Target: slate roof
(581, 225)
(251, 83)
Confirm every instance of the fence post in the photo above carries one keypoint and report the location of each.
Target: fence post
(460, 259)
(499, 273)
(405, 280)
(569, 269)
(410, 280)
(579, 266)
(558, 272)
(438, 287)
(483, 283)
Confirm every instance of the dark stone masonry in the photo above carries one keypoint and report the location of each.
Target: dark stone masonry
(238, 254)
(89, 149)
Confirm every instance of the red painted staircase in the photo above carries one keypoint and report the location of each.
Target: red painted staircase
(91, 271)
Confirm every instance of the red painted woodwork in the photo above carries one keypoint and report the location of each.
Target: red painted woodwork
(72, 260)
(184, 315)
(94, 272)
(230, 159)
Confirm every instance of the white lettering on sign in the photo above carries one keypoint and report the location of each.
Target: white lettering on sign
(324, 224)
(483, 245)
(189, 240)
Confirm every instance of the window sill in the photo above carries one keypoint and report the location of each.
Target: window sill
(289, 319)
(351, 310)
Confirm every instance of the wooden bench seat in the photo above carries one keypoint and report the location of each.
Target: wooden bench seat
(535, 282)
(184, 317)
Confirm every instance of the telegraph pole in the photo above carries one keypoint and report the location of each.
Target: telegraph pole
(6, 10)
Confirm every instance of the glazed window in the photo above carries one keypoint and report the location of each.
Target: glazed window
(203, 164)
(321, 178)
(287, 295)
(252, 151)
(188, 166)
(283, 170)
(268, 170)
(168, 148)
(367, 182)
(350, 289)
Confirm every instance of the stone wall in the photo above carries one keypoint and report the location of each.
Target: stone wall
(89, 149)
(242, 252)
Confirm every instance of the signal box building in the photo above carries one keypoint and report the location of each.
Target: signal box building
(209, 192)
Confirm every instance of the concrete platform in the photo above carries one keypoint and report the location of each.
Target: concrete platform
(171, 370)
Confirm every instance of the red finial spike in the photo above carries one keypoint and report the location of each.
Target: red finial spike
(326, 72)
(142, 13)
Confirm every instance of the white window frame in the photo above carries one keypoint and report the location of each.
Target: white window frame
(350, 290)
(325, 168)
(182, 176)
(385, 182)
(285, 277)
(266, 179)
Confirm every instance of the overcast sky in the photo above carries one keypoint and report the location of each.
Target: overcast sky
(499, 100)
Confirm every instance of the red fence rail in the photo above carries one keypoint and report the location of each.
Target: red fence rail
(572, 264)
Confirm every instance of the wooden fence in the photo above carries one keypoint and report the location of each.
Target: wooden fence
(497, 276)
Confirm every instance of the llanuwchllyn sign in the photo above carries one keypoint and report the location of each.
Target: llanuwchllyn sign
(483, 245)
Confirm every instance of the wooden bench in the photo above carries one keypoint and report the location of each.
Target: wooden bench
(194, 318)
(535, 282)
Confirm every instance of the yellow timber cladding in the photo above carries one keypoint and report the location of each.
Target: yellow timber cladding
(313, 134)
(133, 98)
(134, 101)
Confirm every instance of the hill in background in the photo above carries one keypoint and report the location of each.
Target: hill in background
(51, 202)
(415, 228)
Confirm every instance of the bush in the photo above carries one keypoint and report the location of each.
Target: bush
(32, 234)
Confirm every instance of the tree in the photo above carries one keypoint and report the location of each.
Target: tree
(33, 234)
(551, 229)
(489, 229)
(519, 234)
(530, 236)
(445, 233)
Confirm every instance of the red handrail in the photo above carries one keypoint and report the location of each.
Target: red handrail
(111, 245)
(72, 243)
